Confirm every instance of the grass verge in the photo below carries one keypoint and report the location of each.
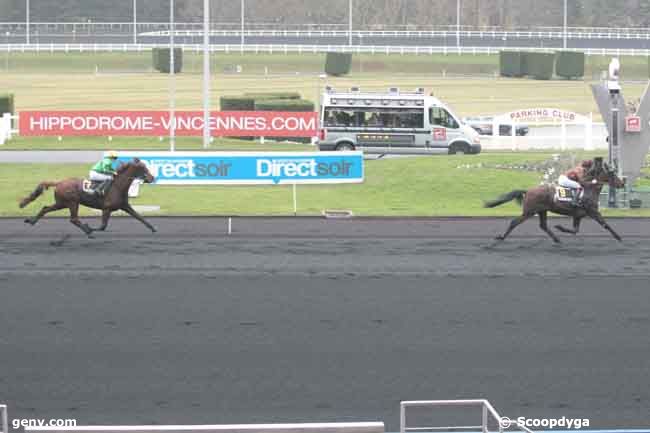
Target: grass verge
(426, 186)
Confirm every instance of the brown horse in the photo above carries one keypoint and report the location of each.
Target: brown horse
(69, 193)
(541, 200)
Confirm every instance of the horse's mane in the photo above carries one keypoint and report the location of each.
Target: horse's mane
(122, 167)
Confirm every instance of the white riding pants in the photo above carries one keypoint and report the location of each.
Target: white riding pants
(94, 175)
(568, 183)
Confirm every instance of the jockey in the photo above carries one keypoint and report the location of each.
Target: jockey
(572, 178)
(103, 172)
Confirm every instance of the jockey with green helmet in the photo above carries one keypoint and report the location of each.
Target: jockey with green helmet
(103, 172)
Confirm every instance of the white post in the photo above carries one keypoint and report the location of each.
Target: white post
(4, 129)
(564, 29)
(229, 225)
(172, 81)
(564, 142)
(589, 130)
(484, 422)
(206, 73)
(135, 22)
(295, 201)
(27, 20)
(458, 23)
(4, 418)
(350, 22)
(7, 34)
(242, 25)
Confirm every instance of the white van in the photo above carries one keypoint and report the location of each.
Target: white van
(392, 122)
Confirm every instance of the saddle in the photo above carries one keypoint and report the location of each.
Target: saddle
(566, 195)
(95, 187)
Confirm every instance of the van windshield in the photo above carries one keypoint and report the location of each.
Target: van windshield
(440, 117)
(373, 117)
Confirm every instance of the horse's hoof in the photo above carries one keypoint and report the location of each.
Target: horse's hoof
(91, 236)
(153, 230)
(28, 221)
(499, 238)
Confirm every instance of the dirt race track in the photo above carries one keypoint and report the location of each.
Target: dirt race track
(322, 320)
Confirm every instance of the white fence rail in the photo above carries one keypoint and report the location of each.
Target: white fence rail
(487, 411)
(548, 135)
(345, 427)
(4, 420)
(6, 129)
(306, 48)
(257, 28)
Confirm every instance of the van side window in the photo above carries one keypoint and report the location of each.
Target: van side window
(374, 117)
(441, 117)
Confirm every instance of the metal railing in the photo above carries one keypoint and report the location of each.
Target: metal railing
(310, 48)
(127, 27)
(341, 427)
(4, 420)
(487, 411)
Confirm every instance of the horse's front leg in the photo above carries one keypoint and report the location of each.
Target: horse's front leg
(596, 216)
(128, 209)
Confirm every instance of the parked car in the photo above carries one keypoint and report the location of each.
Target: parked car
(483, 125)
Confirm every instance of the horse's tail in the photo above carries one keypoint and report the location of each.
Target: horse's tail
(36, 193)
(517, 194)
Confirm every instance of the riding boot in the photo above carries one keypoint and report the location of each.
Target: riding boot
(103, 187)
(576, 198)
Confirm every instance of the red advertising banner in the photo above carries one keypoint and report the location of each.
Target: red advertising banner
(157, 123)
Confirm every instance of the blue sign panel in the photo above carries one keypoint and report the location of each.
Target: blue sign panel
(240, 168)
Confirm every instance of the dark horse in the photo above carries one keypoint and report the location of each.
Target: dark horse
(69, 193)
(541, 199)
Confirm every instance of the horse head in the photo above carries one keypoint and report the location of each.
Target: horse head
(139, 170)
(602, 174)
(142, 171)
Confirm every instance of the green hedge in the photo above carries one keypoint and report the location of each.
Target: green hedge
(273, 95)
(338, 63)
(525, 62)
(237, 103)
(510, 64)
(540, 65)
(6, 103)
(570, 64)
(160, 59)
(284, 105)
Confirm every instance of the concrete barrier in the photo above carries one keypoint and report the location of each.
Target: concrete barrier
(344, 427)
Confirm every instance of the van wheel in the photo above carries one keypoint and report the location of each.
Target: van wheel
(345, 146)
(459, 148)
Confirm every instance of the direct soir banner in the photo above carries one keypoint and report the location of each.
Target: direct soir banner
(158, 123)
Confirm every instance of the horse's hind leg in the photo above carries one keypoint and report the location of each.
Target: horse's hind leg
(74, 219)
(543, 224)
(514, 223)
(106, 215)
(576, 226)
(43, 211)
